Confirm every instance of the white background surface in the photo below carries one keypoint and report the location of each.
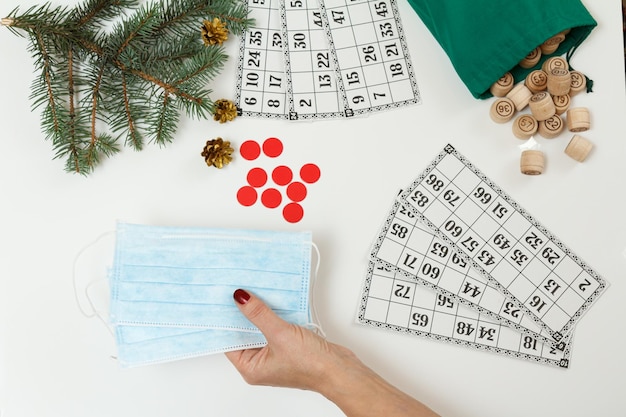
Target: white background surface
(55, 362)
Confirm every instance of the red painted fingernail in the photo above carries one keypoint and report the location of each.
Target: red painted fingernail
(241, 296)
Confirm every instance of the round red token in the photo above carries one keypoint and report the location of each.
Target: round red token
(246, 196)
(257, 177)
(310, 173)
(282, 175)
(293, 212)
(296, 191)
(271, 198)
(250, 150)
(272, 147)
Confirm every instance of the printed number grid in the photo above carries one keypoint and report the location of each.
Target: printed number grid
(261, 84)
(311, 84)
(394, 302)
(501, 240)
(290, 67)
(370, 55)
(407, 246)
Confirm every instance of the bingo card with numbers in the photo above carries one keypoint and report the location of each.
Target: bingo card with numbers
(312, 59)
(501, 240)
(392, 301)
(261, 84)
(370, 55)
(311, 85)
(406, 246)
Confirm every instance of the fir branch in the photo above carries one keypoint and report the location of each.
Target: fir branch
(126, 110)
(181, 16)
(170, 89)
(136, 78)
(102, 145)
(165, 122)
(235, 24)
(133, 138)
(71, 98)
(173, 51)
(202, 66)
(94, 106)
(97, 13)
(50, 120)
(43, 18)
(138, 28)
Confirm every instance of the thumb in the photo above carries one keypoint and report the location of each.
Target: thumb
(259, 313)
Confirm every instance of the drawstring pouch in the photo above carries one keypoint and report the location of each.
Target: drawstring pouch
(484, 39)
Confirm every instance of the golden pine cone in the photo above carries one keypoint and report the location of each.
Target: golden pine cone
(217, 153)
(214, 32)
(225, 111)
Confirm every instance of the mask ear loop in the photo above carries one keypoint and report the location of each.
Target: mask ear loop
(94, 311)
(315, 325)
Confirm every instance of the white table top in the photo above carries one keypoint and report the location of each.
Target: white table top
(56, 362)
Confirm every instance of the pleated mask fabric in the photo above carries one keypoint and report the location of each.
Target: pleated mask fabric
(172, 288)
(147, 345)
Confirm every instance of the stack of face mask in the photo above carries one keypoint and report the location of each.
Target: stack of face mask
(172, 288)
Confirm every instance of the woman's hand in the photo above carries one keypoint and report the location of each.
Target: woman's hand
(295, 357)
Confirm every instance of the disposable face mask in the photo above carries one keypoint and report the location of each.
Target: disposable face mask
(185, 277)
(172, 288)
(138, 345)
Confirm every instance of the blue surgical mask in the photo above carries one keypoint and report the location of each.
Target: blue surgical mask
(171, 288)
(145, 345)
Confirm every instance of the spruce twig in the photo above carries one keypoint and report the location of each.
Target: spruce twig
(125, 65)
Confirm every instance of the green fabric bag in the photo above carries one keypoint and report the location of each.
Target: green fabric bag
(484, 39)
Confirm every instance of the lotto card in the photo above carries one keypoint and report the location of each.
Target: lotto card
(458, 260)
(261, 83)
(370, 55)
(392, 301)
(310, 59)
(406, 246)
(312, 90)
(503, 242)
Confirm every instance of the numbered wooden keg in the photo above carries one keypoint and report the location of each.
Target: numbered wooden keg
(536, 81)
(559, 81)
(524, 126)
(532, 162)
(502, 110)
(578, 119)
(555, 62)
(552, 44)
(531, 59)
(579, 83)
(561, 103)
(552, 127)
(501, 87)
(578, 148)
(541, 106)
(520, 96)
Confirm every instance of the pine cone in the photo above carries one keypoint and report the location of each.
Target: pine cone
(217, 153)
(214, 33)
(225, 111)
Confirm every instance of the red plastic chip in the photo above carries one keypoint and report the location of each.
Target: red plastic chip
(272, 147)
(257, 177)
(310, 173)
(250, 150)
(246, 196)
(296, 191)
(282, 175)
(293, 212)
(271, 198)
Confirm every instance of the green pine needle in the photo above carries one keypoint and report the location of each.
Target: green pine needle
(112, 71)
